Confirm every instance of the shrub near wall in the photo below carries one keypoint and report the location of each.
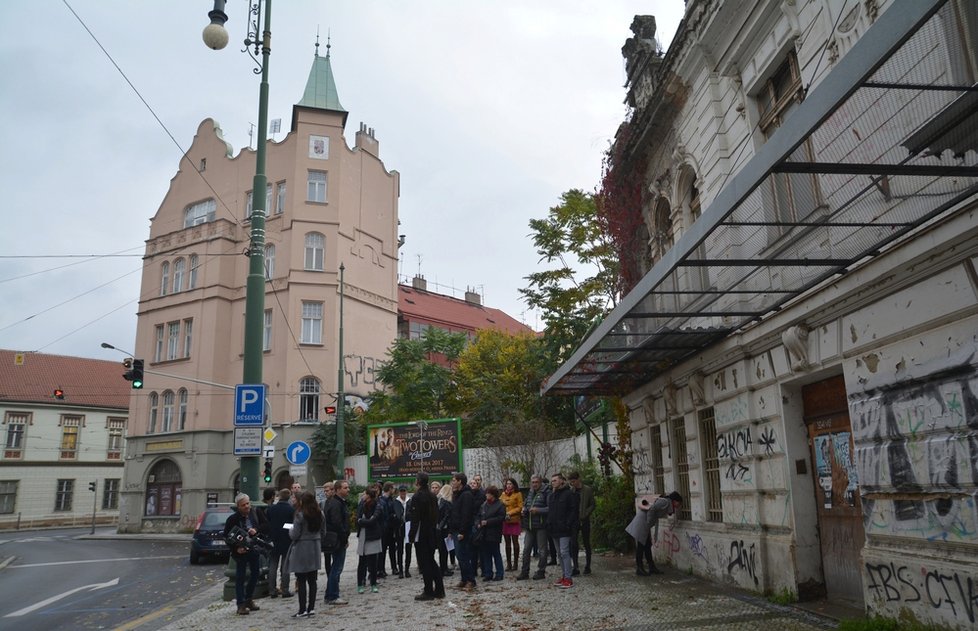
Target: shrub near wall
(614, 498)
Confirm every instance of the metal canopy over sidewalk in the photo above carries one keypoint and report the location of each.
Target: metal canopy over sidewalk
(885, 143)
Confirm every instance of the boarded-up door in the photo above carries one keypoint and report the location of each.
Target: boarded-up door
(840, 522)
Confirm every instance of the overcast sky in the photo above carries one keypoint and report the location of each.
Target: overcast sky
(489, 111)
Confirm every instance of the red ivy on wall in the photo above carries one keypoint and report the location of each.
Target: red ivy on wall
(619, 205)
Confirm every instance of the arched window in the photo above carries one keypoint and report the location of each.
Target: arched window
(269, 261)
(164, 278)
(309, 399)
(192, 279)
(154, 406)
(178, 269)
(163, 490)
(167, 425)
(182, 410)
(315, 251)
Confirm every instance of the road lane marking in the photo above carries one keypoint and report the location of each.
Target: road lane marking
(172, 556)
(138, 622)
(48, 601)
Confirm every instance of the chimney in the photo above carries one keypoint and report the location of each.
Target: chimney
(418, 282)
(472, 297)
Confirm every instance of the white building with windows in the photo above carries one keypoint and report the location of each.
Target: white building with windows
(327, 204)
(799, 349)
(64, 429)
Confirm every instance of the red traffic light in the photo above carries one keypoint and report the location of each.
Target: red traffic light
(59, 394)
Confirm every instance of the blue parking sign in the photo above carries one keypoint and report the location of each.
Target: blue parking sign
(249, 404)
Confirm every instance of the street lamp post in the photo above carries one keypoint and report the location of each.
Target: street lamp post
(215, 36)
(341, 397)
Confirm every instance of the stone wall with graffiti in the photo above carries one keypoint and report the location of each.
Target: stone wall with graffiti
(914, 412)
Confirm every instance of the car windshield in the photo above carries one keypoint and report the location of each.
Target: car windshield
(214, 520)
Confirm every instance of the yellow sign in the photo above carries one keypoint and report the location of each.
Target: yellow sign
(269, 435)
(18, 359)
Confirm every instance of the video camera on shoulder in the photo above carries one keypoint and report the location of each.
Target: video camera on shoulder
(239, 538)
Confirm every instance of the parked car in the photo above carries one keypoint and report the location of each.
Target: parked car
(208, 539)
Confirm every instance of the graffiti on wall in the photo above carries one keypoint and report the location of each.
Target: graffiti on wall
(953, 594)
(768, 440)
(733, 448)
(360, 370)
(743, 558)
(944, 519)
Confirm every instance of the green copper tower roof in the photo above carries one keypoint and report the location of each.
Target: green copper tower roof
(321, 87)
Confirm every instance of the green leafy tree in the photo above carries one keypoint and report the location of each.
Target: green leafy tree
(417, 378)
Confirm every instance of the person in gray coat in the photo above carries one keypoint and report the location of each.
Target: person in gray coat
(305, 559)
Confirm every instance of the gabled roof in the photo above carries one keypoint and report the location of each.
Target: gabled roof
(85, 382)
(437, 309)
(321, 87)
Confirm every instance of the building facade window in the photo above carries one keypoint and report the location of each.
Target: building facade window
(179, 267)
(110, 494)
(316, 187)
(680, 464)
(158, 352)
(312, 323)
(658, 470)
(182, 399)
(117, 428)
(280, 199)
(201, 212)
(163, 490)
(16, 437)
(266, 339)
(192, 277)
(167, 424)
(309, 399)
(70, 432)
(249, 205)
(63, 495)
(269, 261)
(711, 465)
(315, 251)
(417, 329)
(154, 408)
(8, 496)
(188, 336)
(268, 200)
(172, 340)
(164, 278)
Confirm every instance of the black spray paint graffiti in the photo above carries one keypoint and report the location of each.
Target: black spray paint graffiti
(735, 444)
(359, 368)
(642, 462)
(889, 582)
(737, 471)
(743, 558)
(768, 440)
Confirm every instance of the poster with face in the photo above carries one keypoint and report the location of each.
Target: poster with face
(823, 467)
(399, 451)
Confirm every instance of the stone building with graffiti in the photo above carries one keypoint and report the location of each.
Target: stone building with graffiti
(798, 347)
(327, 204)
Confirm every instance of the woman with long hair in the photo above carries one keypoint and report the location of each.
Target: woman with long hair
(444, 508)
(305, 559)
(368, 540)
(512, 500)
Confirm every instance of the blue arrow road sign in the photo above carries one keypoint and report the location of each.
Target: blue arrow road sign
(297, 452)
(249, 404)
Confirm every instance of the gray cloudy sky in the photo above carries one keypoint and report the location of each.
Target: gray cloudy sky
(489, 110)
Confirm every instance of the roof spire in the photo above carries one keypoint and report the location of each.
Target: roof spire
(317, 41)
(320, 89)
(328, 45)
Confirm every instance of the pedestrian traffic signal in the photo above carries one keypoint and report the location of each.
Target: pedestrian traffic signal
(268, 472)
(134, 372)
(58, 394)
(91, 486)
(330, 409)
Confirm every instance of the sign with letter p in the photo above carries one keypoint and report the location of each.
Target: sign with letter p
(249, 404)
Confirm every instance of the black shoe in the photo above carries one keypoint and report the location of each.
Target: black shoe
(424, 596)
(641, 572)
(273, 594)
(539, 576)
(587, 570)
(575, 572)
(654, 570)
(440, 594)
(287, 594)
(400, 575)
(522, 577)
(552, 562)
(445, 573)
(407, 574)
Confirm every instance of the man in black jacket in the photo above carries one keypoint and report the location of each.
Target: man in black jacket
(245, 559)
(279, 514)
(337, 519)
(423, 516)
(461, 523)
(562, 524)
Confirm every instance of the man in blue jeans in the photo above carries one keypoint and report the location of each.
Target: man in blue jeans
(337, 520)
(461, 523)
(245, 559)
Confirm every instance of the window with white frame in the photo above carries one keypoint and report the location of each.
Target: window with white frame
(268, 199)
(315, 251)
(172, 340)
(280, 199)
(164, 278)
(309, 399)
(316, 187)
(63, 496)
(117, 428)
(192, 278)
(70, 433)
(266, 339)
(182, 398)
(168, 399)
(110, 494)
(154, 407)
(312, 323)
(178, 271)
(199, 213)
(249, 205)
(8, 496)
(188, 336)
(158, 353)
(269, 261)
(16, 423)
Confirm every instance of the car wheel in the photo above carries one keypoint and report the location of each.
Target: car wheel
(194, 557)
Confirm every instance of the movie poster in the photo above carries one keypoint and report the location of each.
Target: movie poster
(398, 451)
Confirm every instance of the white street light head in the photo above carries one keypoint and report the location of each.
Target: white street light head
(215, 36)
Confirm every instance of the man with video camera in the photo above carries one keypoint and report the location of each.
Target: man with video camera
(241, 531)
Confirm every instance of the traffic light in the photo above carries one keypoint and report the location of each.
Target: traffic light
(134, 372)
(91, 486)
(58, 394)
(268, 472)
(330, 409)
